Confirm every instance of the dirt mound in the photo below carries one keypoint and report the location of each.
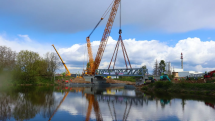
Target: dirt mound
(117, 81)
(78, 80)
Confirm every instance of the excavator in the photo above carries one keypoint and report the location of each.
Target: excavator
(67, 70)
(210, 74)
(94, 64)
(164, 77)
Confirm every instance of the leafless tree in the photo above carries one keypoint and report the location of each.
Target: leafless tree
(52, 61)
(5, 107)
(7, 58)
(156, 69)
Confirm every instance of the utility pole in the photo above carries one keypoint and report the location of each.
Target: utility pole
(54, 76)
(181, 60)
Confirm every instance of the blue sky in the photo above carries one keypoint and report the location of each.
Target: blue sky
(68, 23)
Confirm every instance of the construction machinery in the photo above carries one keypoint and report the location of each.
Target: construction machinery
(152, 79)
(67, 70)
(94, 64)
(210, 74)
(164, 77)
(149, 80)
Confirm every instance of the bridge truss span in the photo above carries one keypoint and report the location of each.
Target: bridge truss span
(122, 72)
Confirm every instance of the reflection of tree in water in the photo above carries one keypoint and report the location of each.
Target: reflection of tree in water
(24, 109)
(183, 103)
(49, 106)
(5, 107)
(27, 102)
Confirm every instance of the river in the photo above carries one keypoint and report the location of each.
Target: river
(108, 104)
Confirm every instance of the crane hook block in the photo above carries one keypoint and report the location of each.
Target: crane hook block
(120, 31)
(102, 18)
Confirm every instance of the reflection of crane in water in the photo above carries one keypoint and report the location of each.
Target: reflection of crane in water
(93, 103)
(59, 105)
(64, 97)
(126, 113)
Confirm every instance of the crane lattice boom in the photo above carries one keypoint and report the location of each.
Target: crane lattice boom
(106, 35)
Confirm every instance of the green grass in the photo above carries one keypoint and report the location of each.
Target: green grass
(183, 87)
(65, 78)
(126, 78)
(210, 81)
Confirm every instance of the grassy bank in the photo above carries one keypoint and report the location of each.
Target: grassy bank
(183, 87)
(126, 78)
(64, 78)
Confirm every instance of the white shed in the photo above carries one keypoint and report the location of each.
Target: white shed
(183, 74)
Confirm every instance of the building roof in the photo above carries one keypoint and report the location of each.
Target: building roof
(178, 70)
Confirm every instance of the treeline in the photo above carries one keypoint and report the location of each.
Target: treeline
(27, 66)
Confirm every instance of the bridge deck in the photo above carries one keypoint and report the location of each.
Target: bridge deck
(122, 72)
(120, 99)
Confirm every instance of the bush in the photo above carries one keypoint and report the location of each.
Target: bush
(158, 84)
(182, 84)
(167, 84)
(163, 84)
(145, 88)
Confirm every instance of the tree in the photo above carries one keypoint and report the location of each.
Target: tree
(162, 66)
(28, 64)
(53, 63)
(7, 58)
(144, 67)
(156, 69)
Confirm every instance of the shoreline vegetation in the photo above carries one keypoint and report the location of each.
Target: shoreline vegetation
(166, 87)
(27, 67)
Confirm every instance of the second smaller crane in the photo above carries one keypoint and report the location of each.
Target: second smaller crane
(67, 70)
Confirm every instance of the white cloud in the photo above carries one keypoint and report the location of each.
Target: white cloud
(144, 52)
(198, 55)
(25, 43)
(25, 37)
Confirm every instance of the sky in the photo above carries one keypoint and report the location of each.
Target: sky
(151, 30)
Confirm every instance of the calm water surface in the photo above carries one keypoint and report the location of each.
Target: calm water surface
(79, 103)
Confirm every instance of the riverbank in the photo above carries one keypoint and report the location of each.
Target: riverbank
(127, 78)
(182, 87)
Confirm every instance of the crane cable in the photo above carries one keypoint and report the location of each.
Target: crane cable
(103, 16)
(120, 19)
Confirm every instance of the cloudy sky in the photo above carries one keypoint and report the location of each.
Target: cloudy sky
(152, 29)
